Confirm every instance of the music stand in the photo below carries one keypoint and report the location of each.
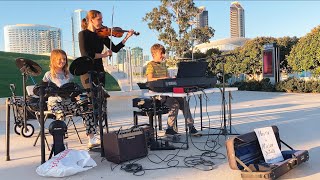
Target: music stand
(81, 66)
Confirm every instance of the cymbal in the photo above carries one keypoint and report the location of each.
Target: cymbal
(81, 65)
(28, 67)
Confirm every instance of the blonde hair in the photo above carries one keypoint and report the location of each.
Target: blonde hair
(157, 48)
(90, 15)
(56, 54)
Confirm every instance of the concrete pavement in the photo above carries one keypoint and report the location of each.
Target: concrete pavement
(296, 115)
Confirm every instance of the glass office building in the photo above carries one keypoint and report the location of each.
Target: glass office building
(76, 19)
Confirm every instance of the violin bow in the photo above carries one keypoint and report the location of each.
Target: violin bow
(111, 57)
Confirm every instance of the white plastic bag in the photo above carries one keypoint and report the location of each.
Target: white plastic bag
(66, 163)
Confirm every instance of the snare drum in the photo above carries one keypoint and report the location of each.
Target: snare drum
(50, 89)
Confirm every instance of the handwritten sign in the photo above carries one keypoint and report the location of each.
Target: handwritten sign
(268, 144)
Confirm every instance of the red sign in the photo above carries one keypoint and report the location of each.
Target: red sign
(267, 63)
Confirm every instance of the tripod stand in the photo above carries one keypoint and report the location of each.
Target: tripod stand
(224, 130)
(99, 111)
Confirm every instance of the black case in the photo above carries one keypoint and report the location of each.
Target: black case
(244, 154)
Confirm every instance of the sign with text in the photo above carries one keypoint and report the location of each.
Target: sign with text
(268, 144)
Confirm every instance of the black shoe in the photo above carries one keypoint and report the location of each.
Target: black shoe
(170, 131)
(193, 131)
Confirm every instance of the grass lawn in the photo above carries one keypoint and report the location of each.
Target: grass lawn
(10, 74)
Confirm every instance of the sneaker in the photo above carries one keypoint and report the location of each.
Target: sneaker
(193, 131)
(170, 131)
(94, 141)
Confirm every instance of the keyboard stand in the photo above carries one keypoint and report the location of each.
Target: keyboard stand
(156, 145)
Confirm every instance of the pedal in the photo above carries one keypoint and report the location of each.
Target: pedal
(94, 148)
(196, 135)
(173, 138)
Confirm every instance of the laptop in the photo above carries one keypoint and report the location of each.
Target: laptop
(192, 69)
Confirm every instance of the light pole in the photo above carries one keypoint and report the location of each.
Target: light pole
(191, 23)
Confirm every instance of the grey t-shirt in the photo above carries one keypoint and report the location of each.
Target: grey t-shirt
(60, 80)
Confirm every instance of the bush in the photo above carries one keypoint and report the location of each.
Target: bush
(288, 85)
(253, 85)
(298, 85)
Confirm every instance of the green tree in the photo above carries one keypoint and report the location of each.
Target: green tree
(251, 53)
(285, 45)
(173, 20)
(234, 63)
(248, 58)
(305, 55)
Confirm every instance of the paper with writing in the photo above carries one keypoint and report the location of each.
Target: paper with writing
(268, 144)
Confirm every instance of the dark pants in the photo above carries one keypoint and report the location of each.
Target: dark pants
(96, 78)
(175, 104)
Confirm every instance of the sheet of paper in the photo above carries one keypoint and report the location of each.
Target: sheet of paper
(268, 144)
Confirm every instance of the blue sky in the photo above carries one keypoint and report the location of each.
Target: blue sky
(262, 18)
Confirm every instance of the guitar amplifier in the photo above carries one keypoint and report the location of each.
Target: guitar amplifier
(125, 145)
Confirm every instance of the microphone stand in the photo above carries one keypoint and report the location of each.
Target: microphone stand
(224, 130)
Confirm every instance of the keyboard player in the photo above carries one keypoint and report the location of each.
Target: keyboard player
(156, 69)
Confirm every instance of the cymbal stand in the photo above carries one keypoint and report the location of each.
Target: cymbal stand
(24, 102)
(42, 139)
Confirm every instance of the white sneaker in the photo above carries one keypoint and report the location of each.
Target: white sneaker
(94, 141)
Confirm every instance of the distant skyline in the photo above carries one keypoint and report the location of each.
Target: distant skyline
(262, 18)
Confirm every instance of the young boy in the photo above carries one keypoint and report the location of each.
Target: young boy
(156, 69)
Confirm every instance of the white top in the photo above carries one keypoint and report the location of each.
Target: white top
(205, 91)
(60, 80)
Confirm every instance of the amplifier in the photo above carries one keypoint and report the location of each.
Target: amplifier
(125, 145)
(148, 132)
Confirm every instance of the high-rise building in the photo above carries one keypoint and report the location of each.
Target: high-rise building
(31, 38)
(202, 18)
(237, 25)
(76, 19)
(137, 56)
(146, 58)
(121, 56)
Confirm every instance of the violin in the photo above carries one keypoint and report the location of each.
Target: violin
(116, 32)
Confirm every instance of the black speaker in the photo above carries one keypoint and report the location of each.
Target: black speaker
(125, 145)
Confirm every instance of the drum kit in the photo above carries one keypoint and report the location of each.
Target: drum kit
(79, 66)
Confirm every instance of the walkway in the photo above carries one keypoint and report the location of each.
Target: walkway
(296, 115)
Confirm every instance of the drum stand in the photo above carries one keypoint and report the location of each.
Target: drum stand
(58, 130)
